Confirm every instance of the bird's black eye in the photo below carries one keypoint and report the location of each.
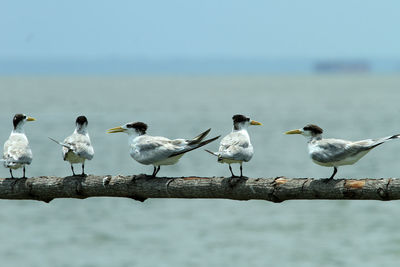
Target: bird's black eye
(24, 117)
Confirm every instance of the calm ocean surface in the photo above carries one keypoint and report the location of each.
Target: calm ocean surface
(181, 232)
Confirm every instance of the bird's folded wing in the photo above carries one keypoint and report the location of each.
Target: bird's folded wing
(233, 147)
(158, 148)
(332, 150)
(18, 156)
(84, 151)
(234, 139)
(78, 144)
(233, 152)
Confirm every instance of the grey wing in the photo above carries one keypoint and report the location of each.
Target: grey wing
(85, 151)
(332, 150)
(235, 146)
(17, 151)
(152, 149)
(164, 145)
(5, 149)
(80, 145)
(230, 141)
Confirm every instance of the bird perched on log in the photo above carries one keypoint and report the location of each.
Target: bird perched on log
(158, 150)
(17, 152)
(236, 146)
(336, 152)
(77, 147)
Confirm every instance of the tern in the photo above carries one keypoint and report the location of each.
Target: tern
(336, 152)
(158, 150)
(77, 147)
(17, 152)
(236, 146)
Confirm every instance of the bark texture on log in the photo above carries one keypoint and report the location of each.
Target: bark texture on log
(141, 187)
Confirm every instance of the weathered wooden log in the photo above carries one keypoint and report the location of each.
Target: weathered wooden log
(141, 187)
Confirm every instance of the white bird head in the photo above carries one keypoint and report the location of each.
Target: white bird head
(19, 121)
(133, 128)
(81, 124)
(310, 130)
(241, 122)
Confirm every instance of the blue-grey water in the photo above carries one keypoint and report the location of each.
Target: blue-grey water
(182, 232)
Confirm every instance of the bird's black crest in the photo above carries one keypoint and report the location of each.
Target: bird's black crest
(239, 118)
(140, 127)
(81, 120)
(17, 119)
(313, 129)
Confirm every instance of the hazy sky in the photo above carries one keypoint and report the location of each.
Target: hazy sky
(306, 29)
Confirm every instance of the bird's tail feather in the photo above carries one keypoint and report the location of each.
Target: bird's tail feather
(212, 153)
(387, 138)
(196, 146)
(380, 141)
(208, 141)
(61, 144)
(199, 138)
(394, 136)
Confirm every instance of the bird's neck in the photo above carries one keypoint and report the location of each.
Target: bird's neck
(81, 130)
(18, 129)
(242, 132)
(133, 136)
(315, 138)
(237, 128)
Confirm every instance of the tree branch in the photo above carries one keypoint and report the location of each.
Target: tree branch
(141, 187)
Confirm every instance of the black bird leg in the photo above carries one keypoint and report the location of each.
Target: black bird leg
(155, 171)
(83, 169)
(72, 168)
(23, 171)
(11, 173)
(158, 169)
(230, 168)
(333, 174)
(235, 180)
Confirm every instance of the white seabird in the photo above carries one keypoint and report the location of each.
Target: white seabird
(17, 152)
(77, 147)
(236, 146)
(336, 152)
(158, 150)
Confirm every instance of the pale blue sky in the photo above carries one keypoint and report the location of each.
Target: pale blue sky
(307, 29)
